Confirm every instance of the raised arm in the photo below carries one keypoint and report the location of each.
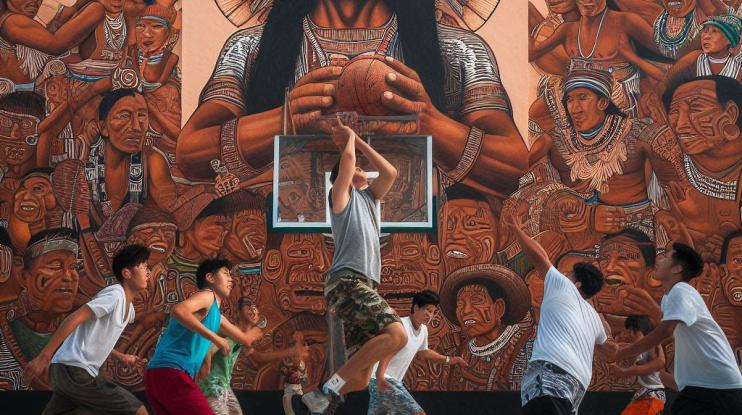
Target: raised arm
(341, 188)
(713, 7)
(185, 313)
(533, 250)
(639, 30)
(662, 333)
(40, 364)
(24, 31)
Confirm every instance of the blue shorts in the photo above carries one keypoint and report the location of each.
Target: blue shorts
(394, 401)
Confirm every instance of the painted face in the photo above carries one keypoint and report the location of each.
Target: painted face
(679, 8)
(151, 34)
(207, 234)
(246, 238)
(698, 119)
(139, 276)
(112, 7)
(469, 235)
(734, 255)
(713, 40)
(561, 6)
(126, 124)
(17, 138)
(477, 312)
(249, 312)
(295, 195)
(52, 281)
(622, 262)
(221, 282)
(297, 272)
(27, 8)
(33, 199)
(409, 263)
(158, 237)
(586, 108)
(591, 8)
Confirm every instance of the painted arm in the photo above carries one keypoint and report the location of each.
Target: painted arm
(662, 333)
(245, 338)
(340, 195)
(299, 351)
(185, 313)
(40, 364)
(628, 53)
(557, 38)
(640, 31)
(169, 127)
(713, 7)
(172, 60)
(24, 31)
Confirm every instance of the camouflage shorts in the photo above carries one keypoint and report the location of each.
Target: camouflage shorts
(362, 310)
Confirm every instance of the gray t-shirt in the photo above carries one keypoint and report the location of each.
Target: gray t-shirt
(356, 234)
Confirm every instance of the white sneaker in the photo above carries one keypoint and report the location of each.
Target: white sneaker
(316, 401)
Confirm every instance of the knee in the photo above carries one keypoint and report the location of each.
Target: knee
(141, 411)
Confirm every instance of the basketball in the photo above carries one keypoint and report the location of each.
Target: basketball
(361, 86)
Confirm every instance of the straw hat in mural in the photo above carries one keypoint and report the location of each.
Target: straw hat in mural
(497, 279)
(465, 14)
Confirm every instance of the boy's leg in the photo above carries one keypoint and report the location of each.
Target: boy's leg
(97, 395)
(175, 392)
(397, 399)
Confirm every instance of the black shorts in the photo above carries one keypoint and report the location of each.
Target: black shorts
(704, 401)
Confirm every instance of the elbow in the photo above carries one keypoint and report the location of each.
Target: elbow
(393, 173)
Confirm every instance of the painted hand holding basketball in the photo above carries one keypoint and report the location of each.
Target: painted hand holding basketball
(313, 94)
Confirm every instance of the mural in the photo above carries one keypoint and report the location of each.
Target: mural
(625, 151)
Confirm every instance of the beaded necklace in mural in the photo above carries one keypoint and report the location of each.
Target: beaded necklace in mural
(328, 45)
(711, 186)
(95, 172)
(595, 41)
(671, 38)
(495, 346)
(114, 29)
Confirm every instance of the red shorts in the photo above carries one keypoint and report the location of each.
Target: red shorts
(173, 392)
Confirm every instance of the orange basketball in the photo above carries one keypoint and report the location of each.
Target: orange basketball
(361, 86)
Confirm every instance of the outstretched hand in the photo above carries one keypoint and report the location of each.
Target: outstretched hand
(37, 368)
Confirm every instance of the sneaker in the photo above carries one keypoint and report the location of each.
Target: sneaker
(316, 401)
(335, 402)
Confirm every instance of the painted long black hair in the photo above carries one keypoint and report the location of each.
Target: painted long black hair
(280, 44)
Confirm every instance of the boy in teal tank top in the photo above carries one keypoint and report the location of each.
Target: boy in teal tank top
(216, 371)
(194, 325)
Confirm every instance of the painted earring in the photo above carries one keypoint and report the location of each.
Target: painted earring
(730, 131)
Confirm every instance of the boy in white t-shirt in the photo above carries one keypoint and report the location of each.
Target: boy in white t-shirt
(569, 331)
(706, 371)
(389, 395)
(87, 337)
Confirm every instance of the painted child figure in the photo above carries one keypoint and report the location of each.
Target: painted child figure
(294, 372)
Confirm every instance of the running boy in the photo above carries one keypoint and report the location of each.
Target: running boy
(193, 326)
(87, 337)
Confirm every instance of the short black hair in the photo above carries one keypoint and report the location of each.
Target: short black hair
(5, 238)
(590, 278)
(727, 89)
(129, 256)
(423, 298)
(639, 323)
(209, 266)
(646, 246)
(725, 245)
(111, 98)
(688, 258)
(217, 207)
(24, 102)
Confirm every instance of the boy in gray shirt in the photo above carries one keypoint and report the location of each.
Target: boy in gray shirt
(373, 331)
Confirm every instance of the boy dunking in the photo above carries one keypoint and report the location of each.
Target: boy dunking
(706, 371)
(389, 395)
(373, 332)
(193, 326)
(216, 371)
(87, 337)
(560, 368)
(650, 398)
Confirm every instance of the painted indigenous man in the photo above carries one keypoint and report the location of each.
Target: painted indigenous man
(593, 42)
(555, 62)
(720, 36)
(457, 94)
(50, 282)
(601, 154)
(490, 304)
(704, 113)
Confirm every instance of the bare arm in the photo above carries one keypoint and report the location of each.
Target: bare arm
(557, 38)
(185, 313)
(713, 7)
(656, 364)
(533, 250)
(387, 172)
(662, 333)
(640, 31)
(41, 363)
(340, 189)
(205, 369)
(245, 338)
(434, 356)
(22, 30)
(607, 350)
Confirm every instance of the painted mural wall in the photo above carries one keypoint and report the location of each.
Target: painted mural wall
(103, 143)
